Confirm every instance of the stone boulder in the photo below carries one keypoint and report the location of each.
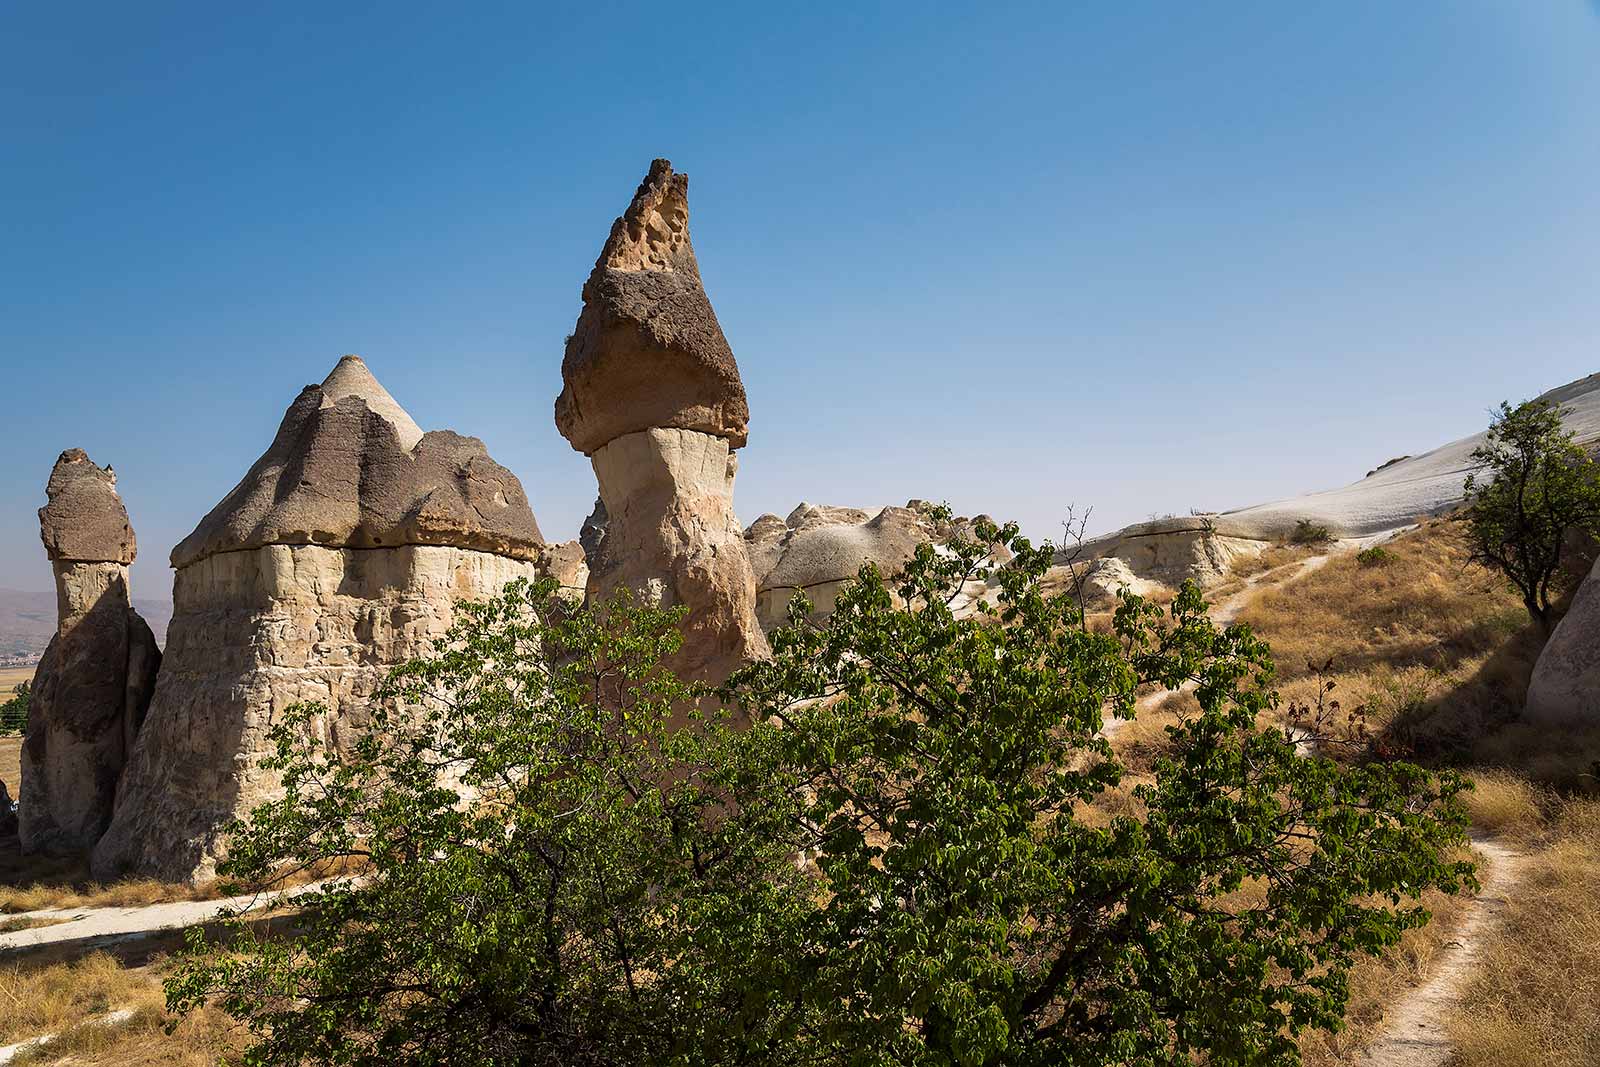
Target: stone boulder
(1565, 688)
(95, 679)
(647, 352)
(342, 553)
(651, 393)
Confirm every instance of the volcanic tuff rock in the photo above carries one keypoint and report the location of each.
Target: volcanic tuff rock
(343, 552)
(85, 520)
(350, 468)
(1565, 688)
(93, 684)
(819, 548)
(647, 352)
(651, 393)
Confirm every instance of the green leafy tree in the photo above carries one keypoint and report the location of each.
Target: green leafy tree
(14, 712)
(975, 911)
(546, 872)
(1532, 488)
(900, 853)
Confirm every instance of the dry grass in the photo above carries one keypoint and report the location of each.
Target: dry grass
(11, 677)
(11, 763)
(1534, 1000)
(126, 894)
(1378, 982)
(67, 999)
(1435, 650)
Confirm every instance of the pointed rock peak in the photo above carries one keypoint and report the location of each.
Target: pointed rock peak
(648, 352)
(653, 234)
(85, 521)
(352, 378)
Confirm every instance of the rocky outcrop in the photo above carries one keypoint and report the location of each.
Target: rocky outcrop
(647, 352)
(818, 549)
(1565, 688)
(343, 552)
(94, 682)
(1173, 550)
(651, 393)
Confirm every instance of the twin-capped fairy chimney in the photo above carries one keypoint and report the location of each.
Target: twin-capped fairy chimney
(350, 469)
(85, 521)
(648, 352)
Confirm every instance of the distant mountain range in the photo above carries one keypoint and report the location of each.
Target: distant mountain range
(28, 621)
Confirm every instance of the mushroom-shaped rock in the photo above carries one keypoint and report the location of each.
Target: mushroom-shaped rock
(349, 468)
(344, 551)
(85, 521)
(652, 395)
(647, 352)
(95, 679)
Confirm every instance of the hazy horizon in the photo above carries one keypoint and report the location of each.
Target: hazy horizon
(1144, 259)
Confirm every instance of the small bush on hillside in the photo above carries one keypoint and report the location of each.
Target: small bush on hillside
(623, 887)
(14, 712)
(1307, 532)
(1376, 556)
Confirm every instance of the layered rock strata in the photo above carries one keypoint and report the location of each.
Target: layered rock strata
(651, 393)
(94, 682)
(343, 552)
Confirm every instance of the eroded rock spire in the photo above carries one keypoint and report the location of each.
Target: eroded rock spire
(651, 393)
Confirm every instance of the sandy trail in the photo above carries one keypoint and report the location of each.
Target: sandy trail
(1413, 1032)
(100, 927)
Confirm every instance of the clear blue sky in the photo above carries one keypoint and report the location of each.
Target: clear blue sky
(1142, 256)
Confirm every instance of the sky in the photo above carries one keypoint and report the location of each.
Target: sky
(1131, 256)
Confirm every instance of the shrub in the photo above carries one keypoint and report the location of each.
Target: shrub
(1307, 532)
(623, 886)
(14, 712)
(1376, 556)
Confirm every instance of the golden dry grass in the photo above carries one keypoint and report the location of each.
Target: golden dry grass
(1534, 1000)
(11, 677)
(67, 999)
(125, 894)
(11, 763)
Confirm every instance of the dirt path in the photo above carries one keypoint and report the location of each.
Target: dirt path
(99, 927)
(1224, 612)
(1413, 1032)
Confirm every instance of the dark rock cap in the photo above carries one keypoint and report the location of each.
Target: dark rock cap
(647, 351)
(85, 522)
(350, 469)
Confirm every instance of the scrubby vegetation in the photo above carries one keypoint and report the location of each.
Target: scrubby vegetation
(14, 711)
(622, 891)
